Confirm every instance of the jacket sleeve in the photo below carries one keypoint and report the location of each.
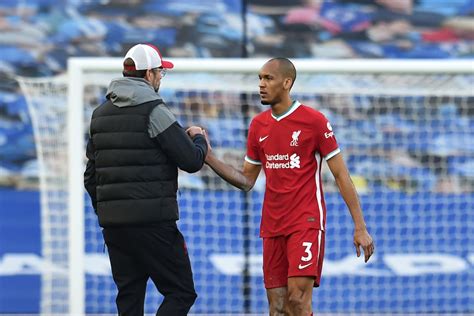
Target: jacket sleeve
(187, 153)
(89, 174)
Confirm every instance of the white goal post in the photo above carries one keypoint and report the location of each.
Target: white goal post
(422, 79)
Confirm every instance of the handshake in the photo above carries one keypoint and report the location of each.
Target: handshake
(196, 130)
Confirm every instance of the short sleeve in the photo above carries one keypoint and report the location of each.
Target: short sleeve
(327, 143)
(253, 155)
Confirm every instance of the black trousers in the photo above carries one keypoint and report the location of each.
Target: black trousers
(158, 252)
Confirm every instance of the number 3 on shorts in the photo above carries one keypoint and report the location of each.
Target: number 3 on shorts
(307, 250)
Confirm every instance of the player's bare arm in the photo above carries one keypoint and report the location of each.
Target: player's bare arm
(244, 180)
(362, 237)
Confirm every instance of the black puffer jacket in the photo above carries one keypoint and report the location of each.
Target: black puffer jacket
(134, 153)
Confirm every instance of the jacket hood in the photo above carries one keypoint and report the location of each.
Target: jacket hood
(130, 91)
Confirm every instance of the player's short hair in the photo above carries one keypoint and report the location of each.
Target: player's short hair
(286, 67)
(132, 73)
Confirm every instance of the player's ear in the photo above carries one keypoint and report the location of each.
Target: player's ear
(287, 83)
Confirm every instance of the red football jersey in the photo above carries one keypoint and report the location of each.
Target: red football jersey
(290, 148)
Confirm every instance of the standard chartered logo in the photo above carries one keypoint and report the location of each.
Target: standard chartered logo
(294, 161)
(279, 161)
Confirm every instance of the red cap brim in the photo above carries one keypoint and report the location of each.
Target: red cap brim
(166, 64)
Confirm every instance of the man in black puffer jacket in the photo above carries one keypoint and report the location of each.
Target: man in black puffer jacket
(135, 149)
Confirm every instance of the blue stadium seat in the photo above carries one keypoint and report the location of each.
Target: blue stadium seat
(17, 57)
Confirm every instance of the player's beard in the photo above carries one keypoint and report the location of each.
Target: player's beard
(267, 102)
(271, 102)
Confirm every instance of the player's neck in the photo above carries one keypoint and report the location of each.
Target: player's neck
(282, 107)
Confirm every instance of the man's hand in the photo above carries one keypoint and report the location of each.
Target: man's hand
(363, 239)
(194, 130)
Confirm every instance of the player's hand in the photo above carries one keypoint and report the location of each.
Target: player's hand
(194, 130)
(209, 148)
(363, 239)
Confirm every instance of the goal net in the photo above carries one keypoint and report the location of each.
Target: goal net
(406, 130)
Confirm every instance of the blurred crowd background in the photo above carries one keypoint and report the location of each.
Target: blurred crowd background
(38, 36)
(410, 153)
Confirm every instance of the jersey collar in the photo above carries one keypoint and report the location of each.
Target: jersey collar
(290, 110)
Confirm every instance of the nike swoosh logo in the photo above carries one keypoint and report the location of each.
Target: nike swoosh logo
(261, 139)
(301, 267)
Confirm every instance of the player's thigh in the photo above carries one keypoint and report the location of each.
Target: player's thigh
(301, 288)
(305, 254)
(275, 262)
